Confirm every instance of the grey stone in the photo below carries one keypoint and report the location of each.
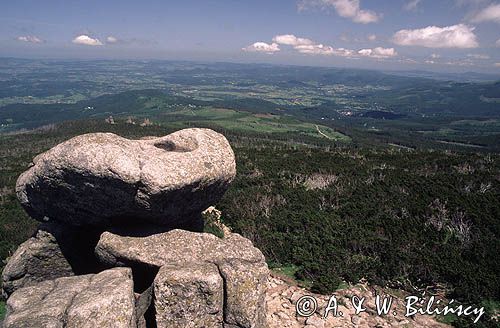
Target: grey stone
(191, 295)
(103, 179)
(245, 288)
(241, 266)
(105, 299)
(142, 305)
(315, 321)
(173, 246)
(54, 251)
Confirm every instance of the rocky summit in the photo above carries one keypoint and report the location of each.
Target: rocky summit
(114, 249)
(102, 179)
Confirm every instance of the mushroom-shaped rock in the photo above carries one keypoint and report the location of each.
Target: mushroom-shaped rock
(105, 299)
(103, 179)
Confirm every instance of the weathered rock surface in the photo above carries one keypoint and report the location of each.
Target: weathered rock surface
(245, 287)
(240, 265)
(101, 300)
(143, 303)
(54, 251)
(191, 295)
(103, 179)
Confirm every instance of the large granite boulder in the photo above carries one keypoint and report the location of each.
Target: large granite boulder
(101, 300)
(182, 259)
(54, 251)
(103, 179)
(191, 295)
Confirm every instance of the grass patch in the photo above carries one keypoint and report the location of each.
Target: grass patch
(448, 319)
(261, 123)
(289, 271)
(491, 307)
(2, 310)
(213, 229)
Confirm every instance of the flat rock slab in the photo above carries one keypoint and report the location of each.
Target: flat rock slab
(103, 179)
(175, 246)
(105, 299)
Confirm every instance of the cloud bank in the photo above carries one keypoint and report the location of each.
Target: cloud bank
(455, 36)
(309, 47)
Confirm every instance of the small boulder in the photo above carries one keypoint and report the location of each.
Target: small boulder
(105, 299)
(55, 251)
(102, 179)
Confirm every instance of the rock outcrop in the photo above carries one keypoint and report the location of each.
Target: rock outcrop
(102, 179)
(233, 259)
(116, 250)
(105, 299)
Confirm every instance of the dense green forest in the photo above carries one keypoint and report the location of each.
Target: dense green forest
(332, 210)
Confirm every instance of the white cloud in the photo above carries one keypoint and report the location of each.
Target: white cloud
(372, 37)
(315, 49)
(307, 46)
(488, 14)
(498, 43)
(29, 38)
(497, 65)
(455, 36)
(428, 61)
(292, 40)
(87, 40)
(344, 8)
(344, 52)
(262, 47)
(412, 5)
(478, 56)
(112, 39)
(435, 56)
(378, 52)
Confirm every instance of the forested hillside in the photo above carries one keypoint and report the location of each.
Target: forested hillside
(327, 211)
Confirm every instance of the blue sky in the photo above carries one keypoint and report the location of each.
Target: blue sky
(444, 35)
